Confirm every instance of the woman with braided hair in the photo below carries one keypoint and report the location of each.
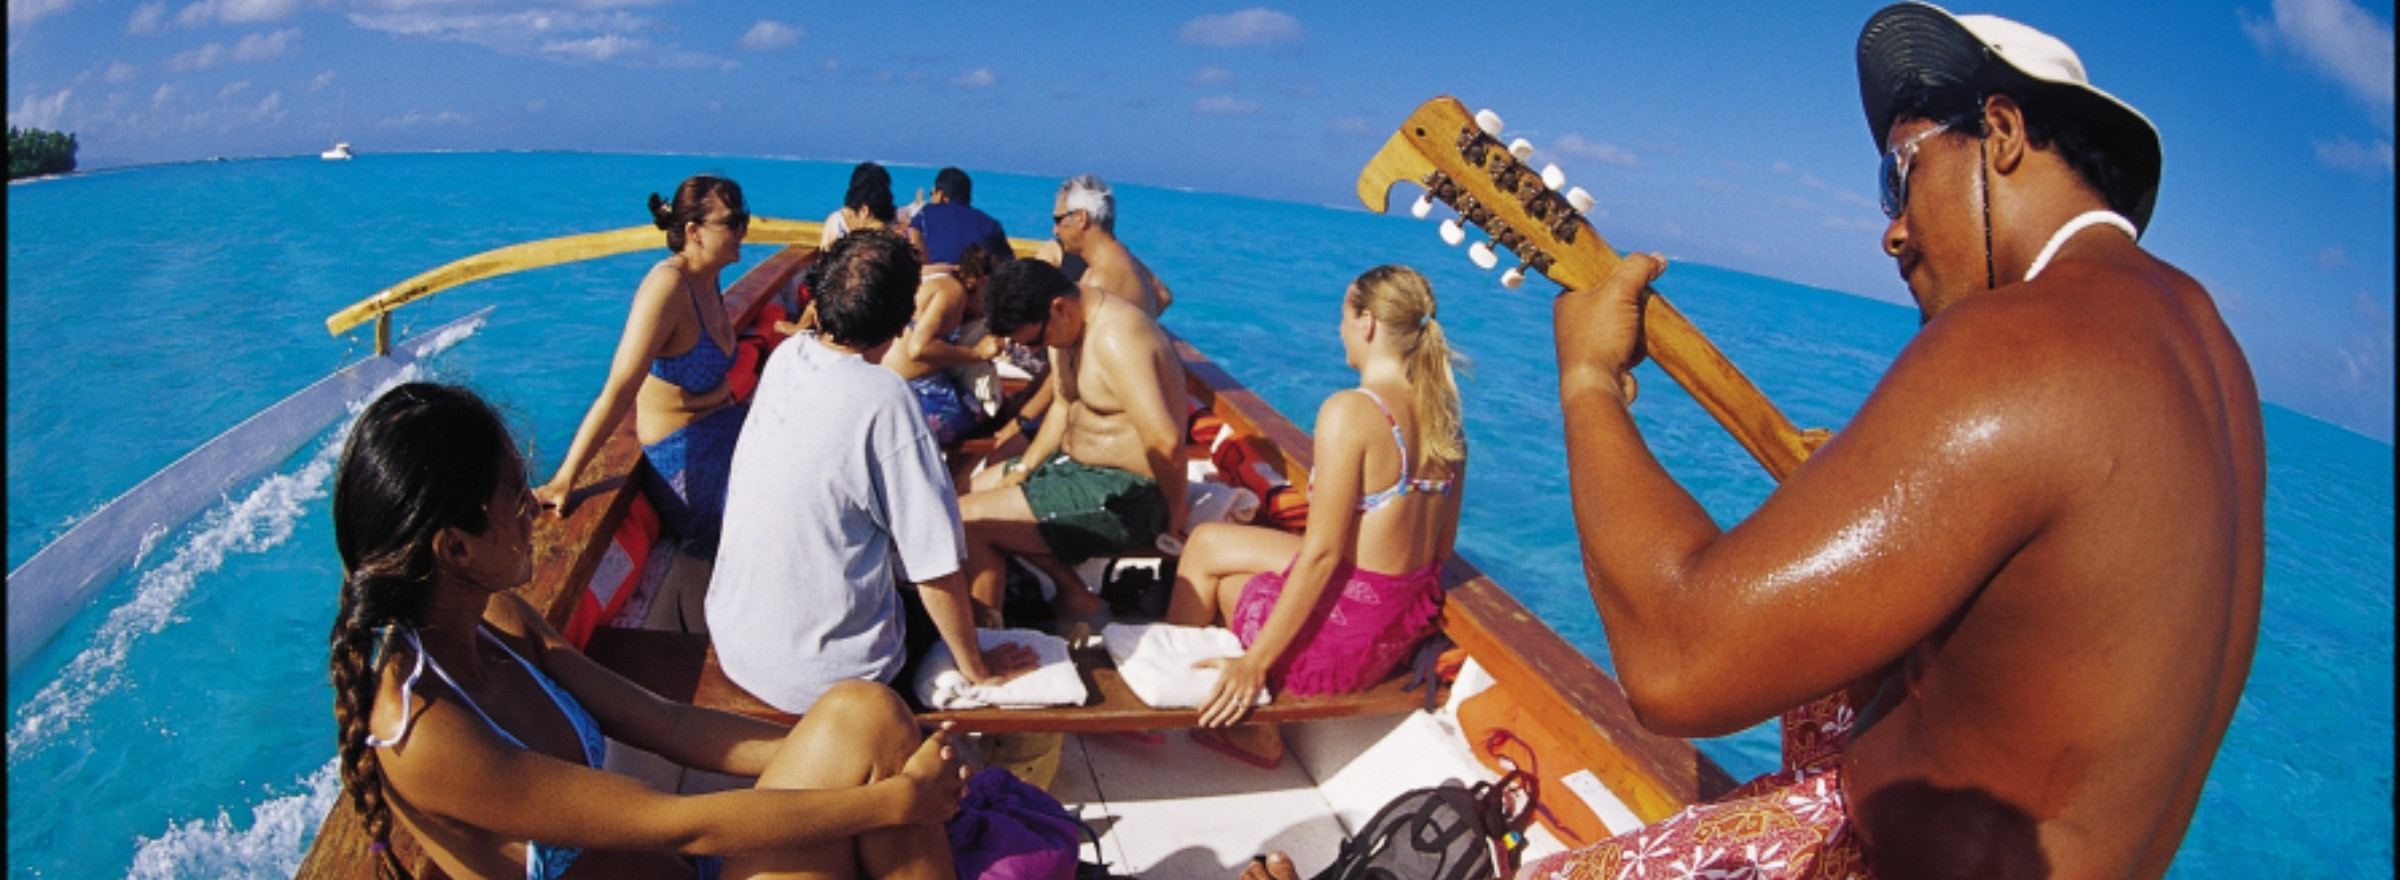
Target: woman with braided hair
(492, 763)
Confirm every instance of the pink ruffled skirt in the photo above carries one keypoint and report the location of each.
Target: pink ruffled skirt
(1356, 636)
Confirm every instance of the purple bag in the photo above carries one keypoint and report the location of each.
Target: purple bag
(1007, 829)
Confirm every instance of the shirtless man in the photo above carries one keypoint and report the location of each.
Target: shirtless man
(1105, 473)
(1085, 220)
(2042, 535)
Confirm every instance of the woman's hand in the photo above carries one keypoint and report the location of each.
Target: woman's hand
(554, 494)
(1599, 330)
(988, 348)
(1239, 679)
(934, 780)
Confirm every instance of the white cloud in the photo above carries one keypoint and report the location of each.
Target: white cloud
(416, 118)
(831, 65)
(202, 58)
(25, 12)
(1258, 26)
(1211, 76)
(1224, 106)
(118, 71)
(1350, 125)
(165, 93)
(557, 35)
(320, 81)
(233, 88)
(146, 18)
(40, 112)
(260, 47)
(2334, 259)
(256, 10)
(196, 14)
(269, 107)
(2338, 38)
(2350, 155)
(768, 35)
(979, 78)
(1573, 146)
(599, 48)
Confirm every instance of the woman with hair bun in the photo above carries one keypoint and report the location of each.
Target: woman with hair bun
(1338, 607)
(867, 204)
(493, 762)
(670, 367)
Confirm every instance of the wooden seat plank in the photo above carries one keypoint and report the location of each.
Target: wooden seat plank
(683, 667)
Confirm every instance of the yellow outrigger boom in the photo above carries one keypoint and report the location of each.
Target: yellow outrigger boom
(534, 255)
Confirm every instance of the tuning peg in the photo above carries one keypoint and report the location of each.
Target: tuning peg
(1578, 199)
(1488, 121)
(1521, 148)
(1452, 233)
(1422, 207)
(1513, 278)
(1482, 255)
(1552, 177)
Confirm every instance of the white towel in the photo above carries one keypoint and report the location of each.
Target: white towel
(940, 685)
(1216, 502)
(1156, 660)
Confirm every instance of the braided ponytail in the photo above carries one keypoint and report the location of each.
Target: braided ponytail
(1402, 301)
(422, 458)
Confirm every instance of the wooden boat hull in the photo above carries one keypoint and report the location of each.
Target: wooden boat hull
(1556, 685)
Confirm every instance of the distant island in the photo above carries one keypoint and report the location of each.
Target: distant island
(33, 152)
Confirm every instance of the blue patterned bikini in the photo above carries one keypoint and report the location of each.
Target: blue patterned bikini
(689, 468)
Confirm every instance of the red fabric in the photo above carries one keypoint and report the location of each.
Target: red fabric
(751, 350)
(619, 573)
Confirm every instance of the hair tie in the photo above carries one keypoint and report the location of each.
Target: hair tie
(1426, 319)
(379, 846)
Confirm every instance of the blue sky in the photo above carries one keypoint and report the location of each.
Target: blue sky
(1725, 133)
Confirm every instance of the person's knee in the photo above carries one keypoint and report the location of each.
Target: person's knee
(870, 714)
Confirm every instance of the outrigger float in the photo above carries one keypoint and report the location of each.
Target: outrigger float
(1170, 809)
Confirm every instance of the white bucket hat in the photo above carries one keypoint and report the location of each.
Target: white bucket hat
(1917, 46)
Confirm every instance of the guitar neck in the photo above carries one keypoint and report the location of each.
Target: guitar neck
(1442, 147)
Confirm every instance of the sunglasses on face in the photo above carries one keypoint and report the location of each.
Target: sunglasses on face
(738, 221)
(1896, 162)
(1056, 219)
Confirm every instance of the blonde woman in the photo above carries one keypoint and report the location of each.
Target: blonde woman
(1338, 607)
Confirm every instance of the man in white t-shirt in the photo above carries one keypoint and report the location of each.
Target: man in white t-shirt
(839, 502)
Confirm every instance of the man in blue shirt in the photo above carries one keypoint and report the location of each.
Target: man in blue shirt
(943, 229)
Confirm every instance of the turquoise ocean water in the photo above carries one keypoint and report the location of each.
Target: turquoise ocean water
(182, 725)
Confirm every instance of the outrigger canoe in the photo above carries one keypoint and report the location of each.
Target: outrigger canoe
(1168, 808)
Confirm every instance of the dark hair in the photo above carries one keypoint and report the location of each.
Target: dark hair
(2052, 121)
(691, 205)
(421, 458)
(975, 265)
(954, 185)
(1020, 293)
(871, 188)
(866, 289)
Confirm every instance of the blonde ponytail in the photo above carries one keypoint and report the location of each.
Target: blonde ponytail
(1402, 301)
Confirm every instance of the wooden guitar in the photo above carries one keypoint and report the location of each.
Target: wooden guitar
(1461, 162)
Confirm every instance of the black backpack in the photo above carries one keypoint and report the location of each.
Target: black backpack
(1447, 832)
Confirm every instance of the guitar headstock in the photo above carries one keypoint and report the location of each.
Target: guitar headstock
(1461, 162)
(1459, 159)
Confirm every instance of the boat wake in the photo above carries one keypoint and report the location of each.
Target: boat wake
(253, 524)
(272, 846)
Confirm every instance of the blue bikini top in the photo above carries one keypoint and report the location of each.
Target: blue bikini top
(699, 369)
(541, 862)
(1406, 485)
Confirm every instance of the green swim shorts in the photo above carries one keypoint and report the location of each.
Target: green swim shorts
(1084, 512)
